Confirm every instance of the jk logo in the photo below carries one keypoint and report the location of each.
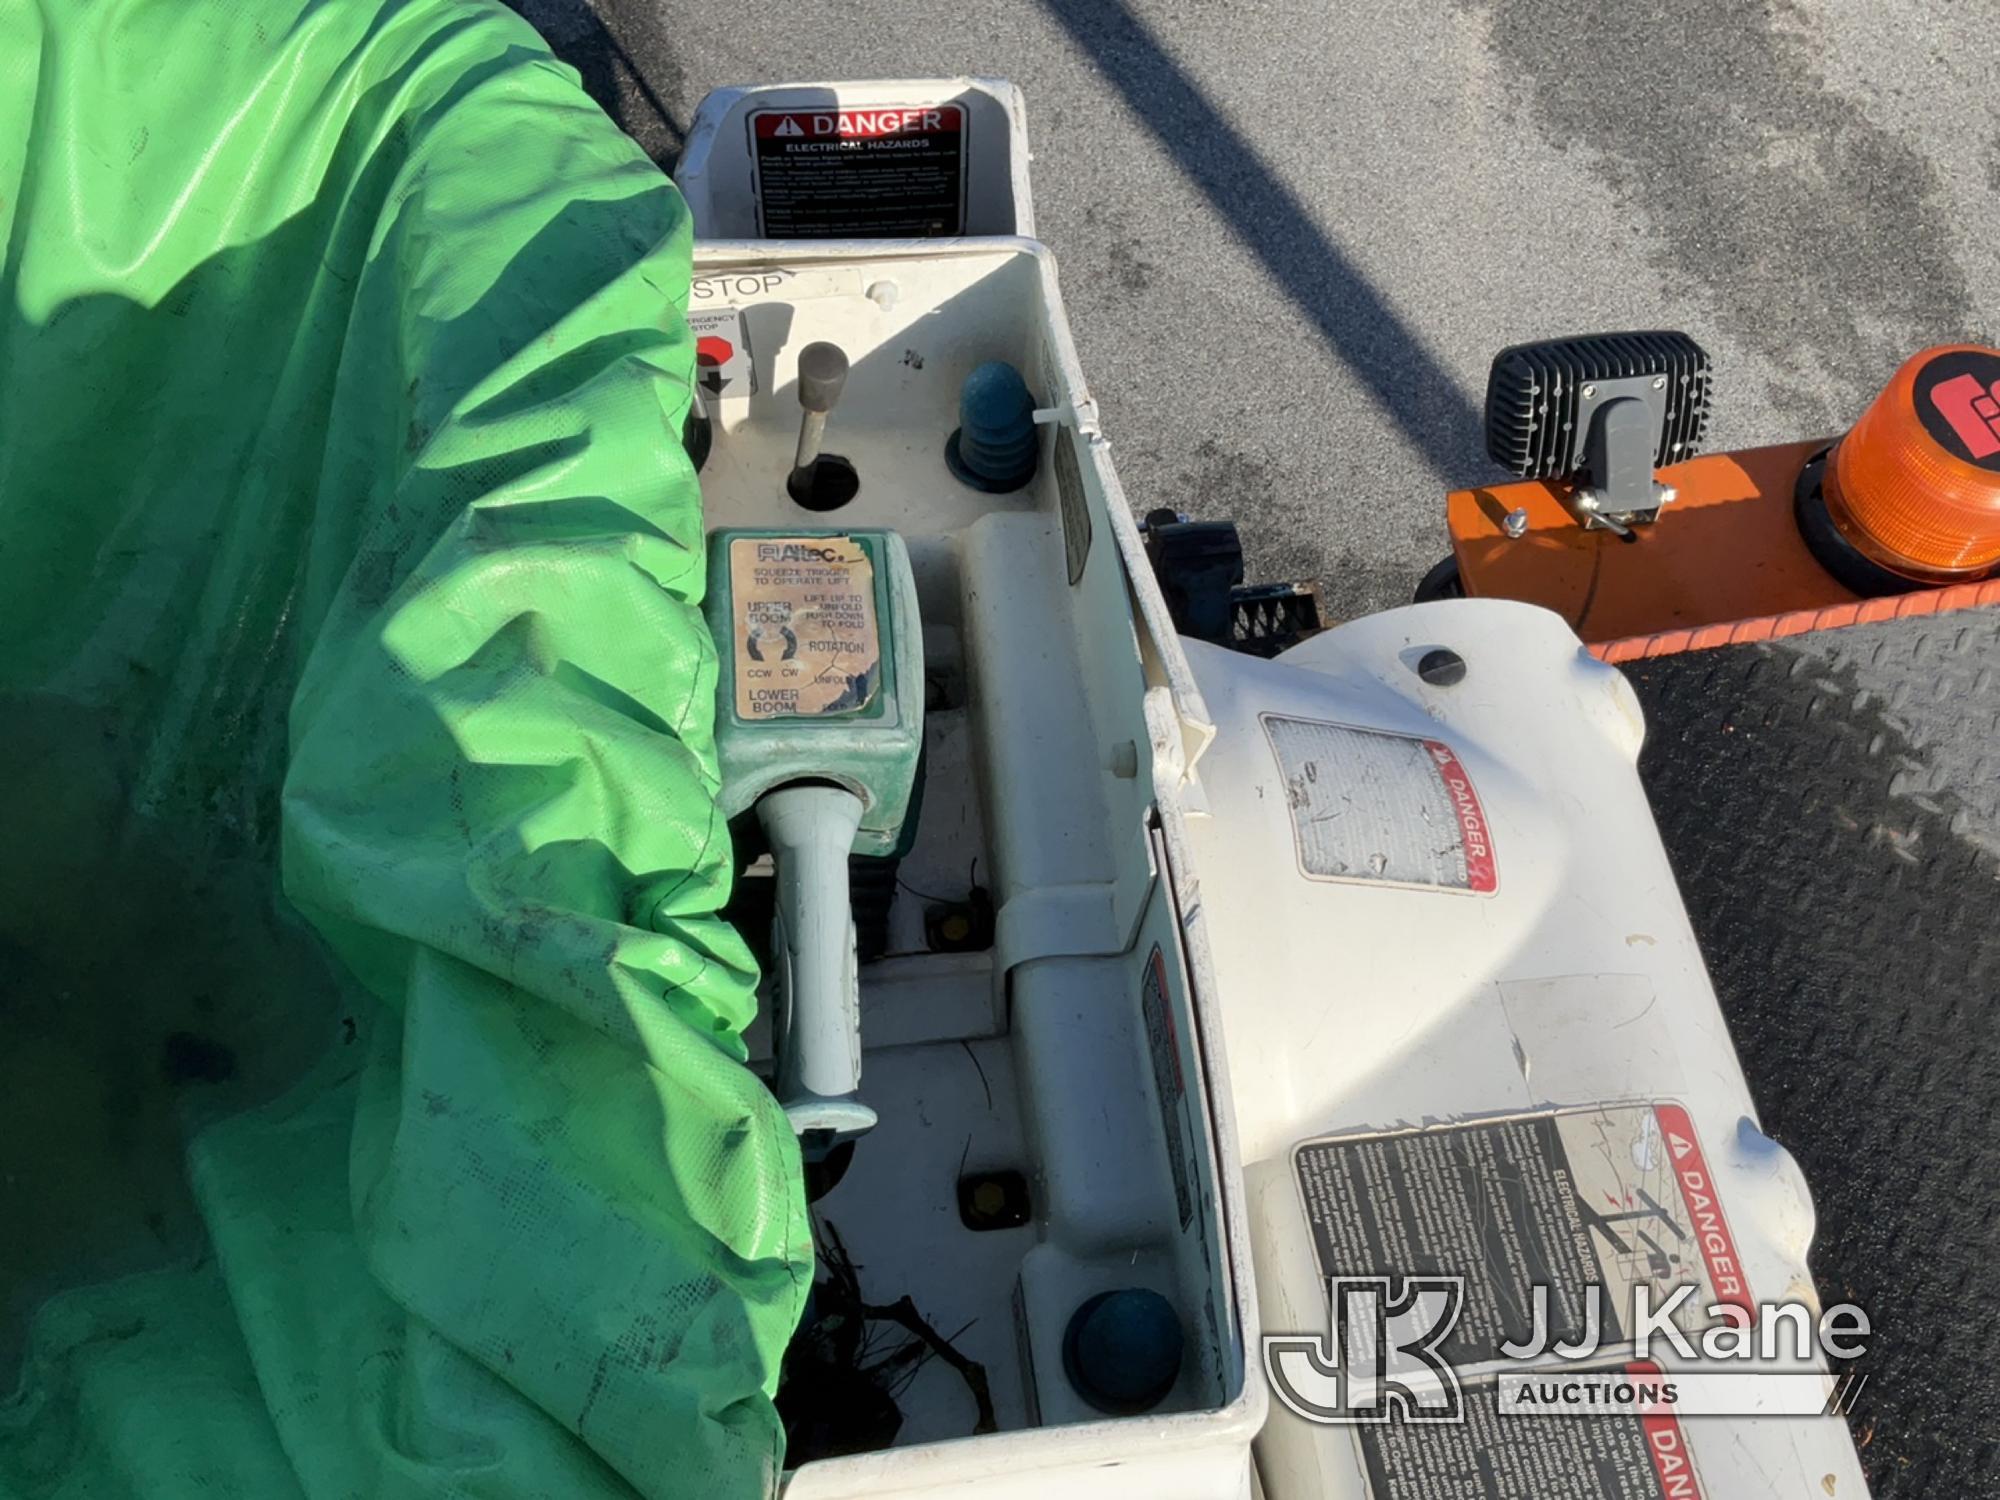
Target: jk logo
(1378, 1360)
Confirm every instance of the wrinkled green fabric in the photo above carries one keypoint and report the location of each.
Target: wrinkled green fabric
(350, 565)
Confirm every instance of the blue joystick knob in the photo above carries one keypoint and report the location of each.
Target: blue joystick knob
(1122, 1350)
(994, 448)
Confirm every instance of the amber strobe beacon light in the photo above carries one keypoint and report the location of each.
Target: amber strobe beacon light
(1910, 498)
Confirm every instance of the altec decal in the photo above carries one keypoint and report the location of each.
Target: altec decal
(857, 124)
(1665, 1444)
(1481, 873)
(796, 552)
(1704, 1206)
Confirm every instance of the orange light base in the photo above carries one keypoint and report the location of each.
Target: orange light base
(1724, 561)
(1727, 548)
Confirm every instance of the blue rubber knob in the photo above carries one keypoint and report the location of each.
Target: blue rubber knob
(1122, 1350)
(995, 448)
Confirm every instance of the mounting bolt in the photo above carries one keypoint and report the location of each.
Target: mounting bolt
(1590, 393)
(1659, 382)
(1515, 522)
(1441, 667)
(1590, 505)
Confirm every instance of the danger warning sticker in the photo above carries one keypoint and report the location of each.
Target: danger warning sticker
(1683, 1158)
(1624, 1455)
(1617, 1197)
(883, 171)
(806, 640)
(1370, 805)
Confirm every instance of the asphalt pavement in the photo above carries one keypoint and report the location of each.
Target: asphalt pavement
(1292, 234)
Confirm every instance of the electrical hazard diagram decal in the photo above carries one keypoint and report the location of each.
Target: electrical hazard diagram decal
(1370, 805)
(1627, 1456)
(1539, 1216)
(1617, 1197)
(859, 172)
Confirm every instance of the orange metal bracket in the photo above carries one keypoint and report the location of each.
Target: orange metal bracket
(1723, 563)
(1725, 549)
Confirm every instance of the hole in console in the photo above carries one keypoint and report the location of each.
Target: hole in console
(697, 437)
(832, 484)
(823, 1174)
(993, 1200)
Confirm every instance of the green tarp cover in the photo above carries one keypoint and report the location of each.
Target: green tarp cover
(350, 567)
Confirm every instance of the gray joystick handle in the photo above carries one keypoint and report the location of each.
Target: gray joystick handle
(822, 372)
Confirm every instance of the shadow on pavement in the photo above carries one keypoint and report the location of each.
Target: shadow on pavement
(1264, 214)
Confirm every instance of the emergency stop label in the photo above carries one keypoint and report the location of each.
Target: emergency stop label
(1614, 1198)
(1371, 805)
(806, 639)
(722, 362)
(884, 171)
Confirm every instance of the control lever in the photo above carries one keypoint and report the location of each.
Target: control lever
(822, 373)
(819, 728)
(811, 827)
